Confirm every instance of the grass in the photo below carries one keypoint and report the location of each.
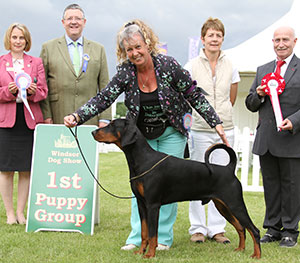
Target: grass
(104, 246)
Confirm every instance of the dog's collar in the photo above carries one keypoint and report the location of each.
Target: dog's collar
(138, 176)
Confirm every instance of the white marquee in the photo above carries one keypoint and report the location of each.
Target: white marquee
(258, 50)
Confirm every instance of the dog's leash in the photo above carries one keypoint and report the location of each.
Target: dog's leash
(87, 165)
(142, 174)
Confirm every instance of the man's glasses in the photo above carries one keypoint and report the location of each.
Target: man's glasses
(71, 18)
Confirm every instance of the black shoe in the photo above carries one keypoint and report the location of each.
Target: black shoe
(288, 242)
(268, 238)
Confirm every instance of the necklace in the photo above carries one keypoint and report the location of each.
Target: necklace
(144, 82)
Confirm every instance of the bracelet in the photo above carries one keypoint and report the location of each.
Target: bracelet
(74, 117)
(106, 121)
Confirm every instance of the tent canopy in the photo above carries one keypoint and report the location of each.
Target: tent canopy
(258, 50)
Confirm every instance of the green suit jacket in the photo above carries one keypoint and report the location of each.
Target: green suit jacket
(67, 91)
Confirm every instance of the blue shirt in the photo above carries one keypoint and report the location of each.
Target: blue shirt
(71, 47)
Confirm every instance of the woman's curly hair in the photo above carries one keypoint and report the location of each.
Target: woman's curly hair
(129, 29)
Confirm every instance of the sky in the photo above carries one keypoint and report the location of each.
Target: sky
(174, 21)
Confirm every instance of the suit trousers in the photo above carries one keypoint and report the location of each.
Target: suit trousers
(173, 143)
(281, 180)
(199, 141)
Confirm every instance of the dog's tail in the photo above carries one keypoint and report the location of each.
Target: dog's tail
(229, 150)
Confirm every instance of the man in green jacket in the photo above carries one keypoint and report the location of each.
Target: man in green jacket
(75, 68)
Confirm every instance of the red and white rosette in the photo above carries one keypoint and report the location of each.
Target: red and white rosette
(275, 85)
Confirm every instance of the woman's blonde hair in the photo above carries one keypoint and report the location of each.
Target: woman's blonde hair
(26, 34)
(131, 28)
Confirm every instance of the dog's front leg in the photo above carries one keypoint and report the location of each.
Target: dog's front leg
(144, 227)
(144, 235)
(152, 220)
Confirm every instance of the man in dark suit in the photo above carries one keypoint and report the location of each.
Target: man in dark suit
(279, 151)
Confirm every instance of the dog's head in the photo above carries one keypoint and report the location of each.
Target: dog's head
(121, 132)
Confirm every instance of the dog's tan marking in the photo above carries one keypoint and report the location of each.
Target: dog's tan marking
(140, 188)
(152, 247)
(144, 236)
(257, 250)
(224, 211)
(102, 136)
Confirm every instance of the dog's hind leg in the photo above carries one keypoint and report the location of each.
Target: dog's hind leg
(241, 221)
(152, 220)
(256, 240)
(225, 211)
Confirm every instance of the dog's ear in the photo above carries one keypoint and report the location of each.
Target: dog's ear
(129, 134)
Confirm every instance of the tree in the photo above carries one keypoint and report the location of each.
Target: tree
(121, 110)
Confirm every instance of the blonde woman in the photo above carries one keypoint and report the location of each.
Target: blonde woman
(16, 123)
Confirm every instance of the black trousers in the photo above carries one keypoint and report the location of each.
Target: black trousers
(281, 180)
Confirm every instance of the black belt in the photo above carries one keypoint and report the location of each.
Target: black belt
(163, 124)
(154, 129)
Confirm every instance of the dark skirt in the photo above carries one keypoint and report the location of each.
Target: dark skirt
(16, 144)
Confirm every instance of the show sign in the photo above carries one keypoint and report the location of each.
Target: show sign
(63, 194)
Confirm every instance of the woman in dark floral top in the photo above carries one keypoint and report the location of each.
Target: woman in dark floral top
(158, 95)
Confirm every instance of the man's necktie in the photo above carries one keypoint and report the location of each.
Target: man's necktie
(76, 58)
(278, 67)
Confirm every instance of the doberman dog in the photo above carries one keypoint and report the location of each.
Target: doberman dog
(158, 179)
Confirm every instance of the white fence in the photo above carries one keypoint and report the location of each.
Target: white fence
(248, 163)
(105, 148)
(246, 160)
